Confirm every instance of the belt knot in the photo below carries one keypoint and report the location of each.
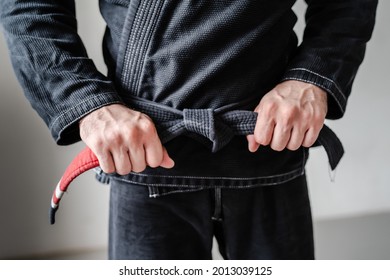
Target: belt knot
(205, 123)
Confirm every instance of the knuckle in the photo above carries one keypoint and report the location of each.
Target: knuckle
(261, 139)
(108, 169)
(316, 129)
(123, 167)
(139, 168)
(263, 134)
(319, 123)
(306, 115)
(113, 138)
(319, 114)
(154, 163)
(277, 147)
(307, 145)
(289, 114)
(120, 171)
(269, 108)
(258, 138)
(137, 115)
(133, 134)
(308, 142)
(123, 171)
(147, 125)
(317, 118)
(293, 147)
(154, 157)
(105, 163)
(97, 144)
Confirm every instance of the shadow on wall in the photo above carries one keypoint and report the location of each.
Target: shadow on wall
(31, 164)
(353, 238)
(30, 168)
(24, 171)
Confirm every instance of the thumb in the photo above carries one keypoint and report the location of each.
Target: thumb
(252, 144)
(167, 162)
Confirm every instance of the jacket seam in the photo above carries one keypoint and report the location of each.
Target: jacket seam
(323, 77)
(61, 115)
(218, 178)
(277, 181)
(341, 107)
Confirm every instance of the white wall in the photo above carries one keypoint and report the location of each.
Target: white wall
(31, 163)
(362, 183)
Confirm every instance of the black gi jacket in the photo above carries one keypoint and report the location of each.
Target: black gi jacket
(188, 54)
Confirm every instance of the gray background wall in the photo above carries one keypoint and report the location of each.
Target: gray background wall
(357, 202)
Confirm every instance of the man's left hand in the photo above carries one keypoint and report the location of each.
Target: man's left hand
(289, 116)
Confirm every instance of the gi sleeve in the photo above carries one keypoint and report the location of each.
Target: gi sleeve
(49, 59)
(333, 47)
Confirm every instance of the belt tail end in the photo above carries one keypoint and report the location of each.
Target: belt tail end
(52, 215)
(333, 146)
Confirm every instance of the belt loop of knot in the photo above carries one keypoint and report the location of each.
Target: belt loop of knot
(200, 121)
(205, 123)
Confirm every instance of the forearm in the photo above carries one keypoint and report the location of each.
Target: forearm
(333, 48)
(50, 61)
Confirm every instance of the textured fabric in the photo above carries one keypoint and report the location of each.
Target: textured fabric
(217, 130)
(188, 55)
(83, 162)
(255, 223)
(198, 57)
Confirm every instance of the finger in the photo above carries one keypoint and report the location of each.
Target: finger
(137, 158)
(264, 131)
(253, 146)
(106, 161)
(280, 137)
(167, 161)
(310, 137)
(296, 139)
(122, 161)
(154, 152)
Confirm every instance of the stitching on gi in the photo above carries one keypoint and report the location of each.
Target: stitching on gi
(94, 97)
(317, 84)
(319, 75)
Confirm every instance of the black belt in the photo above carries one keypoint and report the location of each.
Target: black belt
(214, 128)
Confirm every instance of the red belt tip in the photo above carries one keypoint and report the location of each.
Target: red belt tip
(83, 162)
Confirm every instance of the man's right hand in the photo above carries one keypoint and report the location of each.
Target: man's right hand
(123, 140)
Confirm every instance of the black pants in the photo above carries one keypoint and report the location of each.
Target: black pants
(272, 222)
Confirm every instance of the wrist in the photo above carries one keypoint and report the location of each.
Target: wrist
(309, 91)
